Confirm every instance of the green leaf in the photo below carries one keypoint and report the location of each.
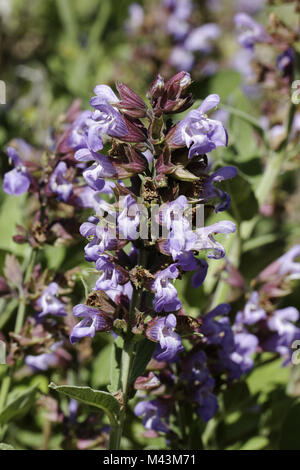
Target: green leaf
(255, 443)
(144, 353)
(4, 446)
(289, 439)
(18, 406)
(286, 13)
(236, 396)
(244, 203)
(243, 139)
(101, 368)
(265, 377)
(224, 82)
(98, 399)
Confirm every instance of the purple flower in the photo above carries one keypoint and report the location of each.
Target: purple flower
(245, 346)
(286, 61)
(199, 133)
(206, 241)
(129, 219)
(200, 384)
(88, 197)
(93, 321)
(177, 23)
(182, 9)
(242, 62)
(181, 239)
(216, 331)
(108, 120)
(94, 174)
(283, 332)
(101, 236)
(79, 132)
(211, 192)
(206, 400)
(249, 31)
(202, 38)
(18, 180)
(58, 183)
(166, 297)
(73, 409)
(46, 360)
(231, 358)
(49, 303)
(136, 18)
(85, 135)
(181, 59)
(195, 369)
(105, 94)
(155, 414)
(252, 312)
(57, 357)
(169, 342)
(200, 274)
(283, 266)
(188, 262)
(250, 7)
(112, 281)
(172, 211)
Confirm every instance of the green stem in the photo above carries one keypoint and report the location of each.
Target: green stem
(67, 17)
(4, 390)
(22, 304)
(275, 162)
(125, 372)
(269, 177)
(5, 386)
(6, 382)
(223, 288)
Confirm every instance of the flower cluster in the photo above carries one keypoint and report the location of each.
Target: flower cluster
(273, 329)
(175, 20)
(268, 70)
(142, 178)
(167, 170)
(167, 167)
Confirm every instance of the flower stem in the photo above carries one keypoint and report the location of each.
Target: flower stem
(6, 382)
(22, 304)
(125, 373)
(125, 370)
(270, 176)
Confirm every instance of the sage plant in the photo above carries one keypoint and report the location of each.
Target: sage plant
(137, 180)
(146, 233)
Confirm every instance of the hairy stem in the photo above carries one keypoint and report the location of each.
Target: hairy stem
(270, 176)
(22, 304)
(6, 382)
(125, 372)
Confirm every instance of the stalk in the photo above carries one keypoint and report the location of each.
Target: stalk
(22, 304)
(270, 175)
(6, 382)
(275, 161)
(125, 372)
(127, 358)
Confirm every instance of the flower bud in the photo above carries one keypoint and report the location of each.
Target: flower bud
(131, 104)
(157, 88)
